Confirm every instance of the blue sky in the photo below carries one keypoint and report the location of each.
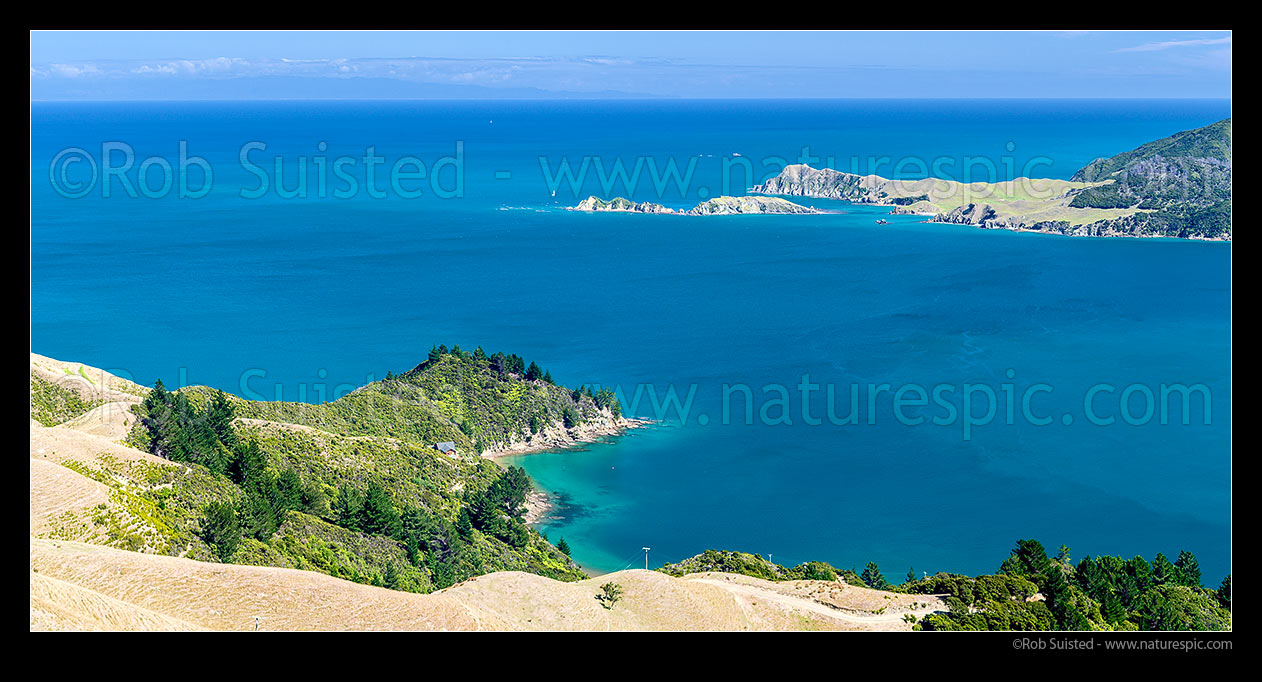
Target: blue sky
(672, 64)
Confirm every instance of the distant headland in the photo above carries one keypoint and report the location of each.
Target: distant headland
(1179, 186)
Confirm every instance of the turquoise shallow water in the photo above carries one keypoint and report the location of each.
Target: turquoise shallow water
(299, 296)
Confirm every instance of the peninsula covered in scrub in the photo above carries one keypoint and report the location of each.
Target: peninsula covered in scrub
(1179, 186)
(390, 485)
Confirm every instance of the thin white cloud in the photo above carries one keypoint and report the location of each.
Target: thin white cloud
(1166, 45)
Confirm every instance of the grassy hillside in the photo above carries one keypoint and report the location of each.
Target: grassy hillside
(1178, 186)
(361, 506)
(475, 400)
(81, 587)
(53, 403)
(754, 565)
(352, 488)
(1030, 592)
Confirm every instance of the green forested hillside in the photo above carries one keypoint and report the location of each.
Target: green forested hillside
(1183, 183)
(352, 488)
(471, 398)
(1211, 143)
(1030, 591)
(1100, 593)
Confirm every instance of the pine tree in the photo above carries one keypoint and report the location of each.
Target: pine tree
(1063, 560)
(290, 489)
(872, 576)
(159, 420)
(1112, 610)
(219, 418)
(258, 517)
(314, 500)
(263, 509)
(1189, 569)
(1224, 592)
(563, 547)
(379, 515)
(464, 525)
(533, 373)
(911, 574)
(499, 364)
(348, 508)
(1031, 560)
(1162, 570)
(221, 530)
(414, 556)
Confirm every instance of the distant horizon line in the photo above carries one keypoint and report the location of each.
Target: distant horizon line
(647, 98)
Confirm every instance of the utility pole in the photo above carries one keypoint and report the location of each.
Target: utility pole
(646, 557)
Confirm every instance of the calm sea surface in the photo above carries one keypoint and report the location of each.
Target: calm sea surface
(292, 297)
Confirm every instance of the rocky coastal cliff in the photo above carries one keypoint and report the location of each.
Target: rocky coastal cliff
(800, 180)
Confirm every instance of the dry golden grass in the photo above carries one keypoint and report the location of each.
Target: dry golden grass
(89, 382)
(1026, 200)
(57, 490)
(111, 421)
(59, 605)
(58, 444)
(190, 593)
(81, 586)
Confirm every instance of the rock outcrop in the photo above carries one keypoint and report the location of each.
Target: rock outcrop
(716, 206)
(800, 180)
(747, 205)
(619, 205)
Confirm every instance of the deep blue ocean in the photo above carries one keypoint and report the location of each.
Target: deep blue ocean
(302, 297)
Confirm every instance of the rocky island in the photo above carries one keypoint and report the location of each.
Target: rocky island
(718, 206)
(1179, 186)
(619, 205)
